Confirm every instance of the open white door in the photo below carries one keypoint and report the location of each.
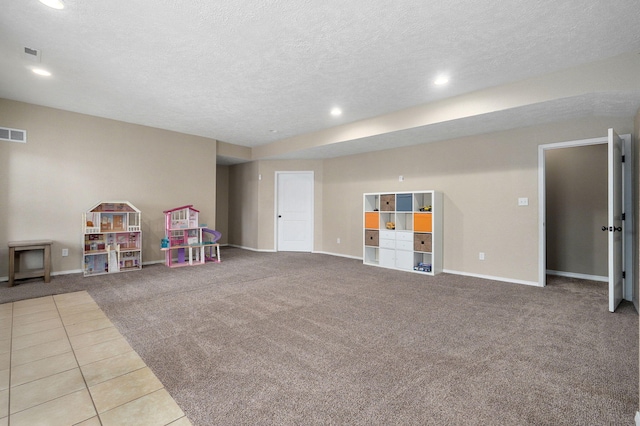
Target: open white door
(294, 215)
(615, 224)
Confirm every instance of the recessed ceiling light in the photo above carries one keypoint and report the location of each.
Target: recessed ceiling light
(336, 112)
(56, 4)
(440, 80)
(42, 72)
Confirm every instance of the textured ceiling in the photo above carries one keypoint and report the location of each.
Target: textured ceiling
(238, 70)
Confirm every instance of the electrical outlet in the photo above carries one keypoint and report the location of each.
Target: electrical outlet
(65, 252)
(481, 256)
(338, 240)
(523, 201)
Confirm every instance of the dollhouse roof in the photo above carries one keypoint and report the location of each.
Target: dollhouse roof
(114, 206)
(190, 207)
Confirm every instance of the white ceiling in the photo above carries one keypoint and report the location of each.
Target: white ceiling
(237, 70)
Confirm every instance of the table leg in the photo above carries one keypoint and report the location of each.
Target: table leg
(47, 263)
(12, 265)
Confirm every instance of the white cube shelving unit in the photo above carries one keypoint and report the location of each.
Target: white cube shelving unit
(403, 230)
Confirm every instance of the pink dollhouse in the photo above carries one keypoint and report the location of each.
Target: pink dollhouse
(189, 242)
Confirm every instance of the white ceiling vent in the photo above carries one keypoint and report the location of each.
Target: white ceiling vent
(13, 135)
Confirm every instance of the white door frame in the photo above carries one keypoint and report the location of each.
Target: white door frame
(627, 207)
(276, 201)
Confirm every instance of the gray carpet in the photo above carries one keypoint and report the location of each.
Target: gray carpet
(294, 338)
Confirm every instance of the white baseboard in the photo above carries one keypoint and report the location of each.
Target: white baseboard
(491, 277)
(339, 255)
(578, 276)
(449, 271)
(70, 271)
(275, 251)
(252, 249)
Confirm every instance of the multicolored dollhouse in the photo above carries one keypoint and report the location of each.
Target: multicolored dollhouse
(188, 241)
(112, 238)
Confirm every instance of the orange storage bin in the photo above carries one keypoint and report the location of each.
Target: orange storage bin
(422, 222)
(371, 220)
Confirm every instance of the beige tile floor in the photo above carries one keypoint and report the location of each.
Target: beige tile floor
(62, 362)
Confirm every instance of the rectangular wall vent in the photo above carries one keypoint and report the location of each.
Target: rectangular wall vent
(33, 54)
(13, 135)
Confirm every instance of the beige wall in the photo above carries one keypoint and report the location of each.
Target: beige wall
(254, 199)
(576, 180)
(222, 202)
(243, 205)
(481, 178)
(72, 161)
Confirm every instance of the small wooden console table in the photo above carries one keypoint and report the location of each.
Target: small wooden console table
(16, 248)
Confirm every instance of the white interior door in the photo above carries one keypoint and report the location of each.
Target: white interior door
(615, 223)
(294, 211)
(620, 199)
